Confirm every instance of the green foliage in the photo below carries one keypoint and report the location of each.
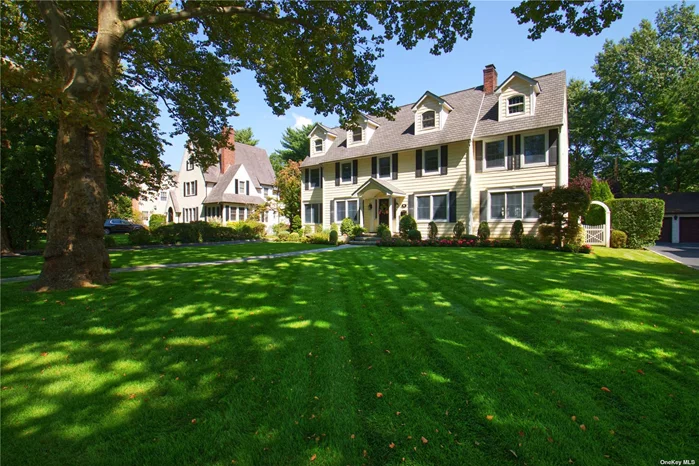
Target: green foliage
(640, 219)
(414, 235)
(296, 223)
(618, 239)
(333, 236)
(406, 223)
(580, 18)
(294, 237)
(307, 230)
(483, 231)
(334, 227)
(546, 234)
(279, 228)
(459, 229)
(357, 230)
(284, 235)
(381, 229)
(120, 207)
(574, 236)
(110, 242)
(432, 230)
(296, 147)
(156, 220)
(140, 237)
(198, 232)
(561, 208)
(288, 184)
(517, 231)
(599, 191)
(245, 136)
(347, 226)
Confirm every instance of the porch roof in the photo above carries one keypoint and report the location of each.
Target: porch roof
(381, 185)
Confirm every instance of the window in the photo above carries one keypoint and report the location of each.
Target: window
(352, 210)
(266, 190)
(515, 105)
(241, 187)
(535, 149)
(315, 177)
(190, 165)
(312, 213)
(384, 167)
(357, 135)
(319, 145)
(340, 210)
(190, 188)
(428, 119)
(433, 207)
(513, 205)
(495, 154)
(431, 164)
(163, 195)
(346, 170)
(241, 213)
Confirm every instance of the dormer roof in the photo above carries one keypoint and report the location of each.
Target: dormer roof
(517, 74)
(322, 127)
(427, 94)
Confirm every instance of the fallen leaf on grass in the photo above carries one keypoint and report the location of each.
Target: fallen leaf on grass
(44, 354)
(342, 337)
(512, 451)
(397, 413)
(640, 371)
(352, 436)
(605, 389)
(391, 445)
(489, 417)
(379, 395)
(313, 458)
(521, 433)
(582, 427)
(573, 418)
(424, 440)
(550, 440)
(194, 421)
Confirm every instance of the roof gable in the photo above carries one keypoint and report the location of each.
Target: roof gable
(518, 75)
(429, 94)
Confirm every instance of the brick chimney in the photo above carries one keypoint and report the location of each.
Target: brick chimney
(227, 157)
(490, 79)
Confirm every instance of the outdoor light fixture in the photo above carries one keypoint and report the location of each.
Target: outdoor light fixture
(675, 217)
(369, 206)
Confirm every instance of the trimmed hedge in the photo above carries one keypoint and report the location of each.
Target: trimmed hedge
(203, 232)
(641, 219)
(618, 239)
(156, 221)
(527, 242)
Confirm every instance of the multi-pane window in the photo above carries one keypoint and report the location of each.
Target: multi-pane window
(163, 195)
(535, 149)
(319, 145)
(428, 119)
(433, 207)
(384, 167)
(241, 213)
(241, 187)
(340, 210)
(312, 213)
(515, 105)
(352, 210)
(346, 170)
(431, 164)
(495, 154)
(315, 177)
(190, 188)
(513, 205)
(357, 135)
(190, 165)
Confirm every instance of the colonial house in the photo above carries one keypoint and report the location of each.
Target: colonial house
(227, 192)
(152, 202)
(475, 155)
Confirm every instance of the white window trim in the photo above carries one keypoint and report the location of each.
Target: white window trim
(523, 104)
(422, 121)
(351, 164)
(305, 204)
(315, 147)
(390, 167)
(485, 160)
(350, 137)
(505, 191)
(346, 200)
(188, 165)
(546, 149)
(439, 161)
(431, 196)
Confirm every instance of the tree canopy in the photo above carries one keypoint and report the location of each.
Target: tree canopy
(245, 136)
(295, 146)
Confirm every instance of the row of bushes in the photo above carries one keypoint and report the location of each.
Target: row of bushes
(198, 232)
(527, 242)
(322, 237)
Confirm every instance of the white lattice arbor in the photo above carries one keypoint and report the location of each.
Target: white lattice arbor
(599, 234)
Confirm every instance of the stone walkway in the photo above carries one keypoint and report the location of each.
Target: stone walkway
(239, 260)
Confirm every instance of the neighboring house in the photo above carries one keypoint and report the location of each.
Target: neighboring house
(475, 155)
(681, 220)
(227, 192)
(153, 202)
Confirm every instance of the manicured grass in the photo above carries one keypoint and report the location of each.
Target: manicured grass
(31, 265)
(279, 362)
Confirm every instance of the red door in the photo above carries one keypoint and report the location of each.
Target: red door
(689, 229)
(666, 231)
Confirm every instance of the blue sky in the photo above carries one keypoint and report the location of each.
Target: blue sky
(407, 74)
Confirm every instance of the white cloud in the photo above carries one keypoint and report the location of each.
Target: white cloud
(300, 120)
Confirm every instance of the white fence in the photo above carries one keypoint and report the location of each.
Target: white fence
(595, 234)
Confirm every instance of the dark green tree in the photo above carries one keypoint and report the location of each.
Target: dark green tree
(245, 136)
(296, 147)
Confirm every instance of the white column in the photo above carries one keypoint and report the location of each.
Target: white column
(607, 226)
(390, 212)
(361, 213)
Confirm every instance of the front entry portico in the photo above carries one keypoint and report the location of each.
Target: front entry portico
(379, 203)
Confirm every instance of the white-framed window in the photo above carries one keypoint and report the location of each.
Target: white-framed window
(318, 144)
(163, 195)
(346, 172)
(346, 209)
(428, 119)
(515, 105)
(312, 213)
(357, 135)
(241, 187)
(495, 154)
(430, 161)
(513, 205)
(315, 177)
(433, 207)
(242, 213)
(190, 165)
(266, 191)
(189, 188)
(384, 167)
(534, 148)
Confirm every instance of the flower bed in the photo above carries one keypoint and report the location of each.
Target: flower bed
(528, 242)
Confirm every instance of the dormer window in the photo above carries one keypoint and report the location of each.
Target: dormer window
(319, 145)
(428, 119)
(357, 135)
(515, 105)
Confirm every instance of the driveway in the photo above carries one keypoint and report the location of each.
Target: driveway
(684, 253)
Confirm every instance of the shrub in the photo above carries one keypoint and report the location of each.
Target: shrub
(406, 223)
(279, 228)
(532, 242)
(561, 208)
(546, 234)
(574, 235)
(357, 230)
(517, 231)
(140, 237)
(174, 233)
(319, 238)
(386, 235)
(599, 191)
(483, 231)
(109, 242)
(640, 219)
(585, 249)
(618, 239)
(284, 235)
(317, 228)
(333, 227)
(346, 226)
(459, 229)
(156, 220)
(307, 230)
(333, 236)
(432, 230)
(296, 223)
(294, 237)
(414, 235)
(382, 229)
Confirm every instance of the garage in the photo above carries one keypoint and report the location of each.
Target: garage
(689, 229)
(666, 231)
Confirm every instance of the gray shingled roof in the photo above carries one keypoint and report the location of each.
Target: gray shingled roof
(399, 135)
(175, 201)
(216, 194)
(256, 163)
(233, 199)
(374, 183)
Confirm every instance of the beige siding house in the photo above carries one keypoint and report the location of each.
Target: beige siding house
(475, 155)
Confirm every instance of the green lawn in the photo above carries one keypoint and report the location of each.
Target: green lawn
(278, 362)
(31, 265)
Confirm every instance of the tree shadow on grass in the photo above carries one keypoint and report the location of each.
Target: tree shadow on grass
(282, 360)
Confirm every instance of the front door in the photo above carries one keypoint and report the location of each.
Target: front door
(383, 211)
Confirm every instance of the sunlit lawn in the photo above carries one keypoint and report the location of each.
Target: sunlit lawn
(492, 356)
(31, 265)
